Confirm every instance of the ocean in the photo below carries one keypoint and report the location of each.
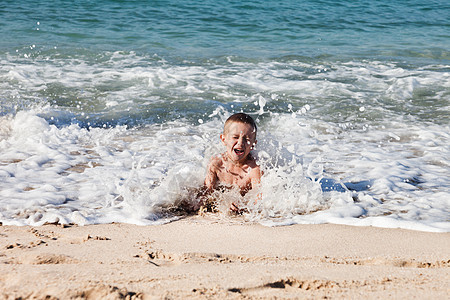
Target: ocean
(110, 110)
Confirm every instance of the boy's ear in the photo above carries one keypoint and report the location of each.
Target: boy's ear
(254, 144)
(222, 138)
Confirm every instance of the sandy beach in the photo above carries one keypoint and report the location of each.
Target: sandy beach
(207, 257)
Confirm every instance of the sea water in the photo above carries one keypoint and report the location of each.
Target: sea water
(110, 110)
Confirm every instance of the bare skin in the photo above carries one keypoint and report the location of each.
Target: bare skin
(222, 170)
(235, 167)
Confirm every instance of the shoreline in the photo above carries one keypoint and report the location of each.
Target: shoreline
(203, 257)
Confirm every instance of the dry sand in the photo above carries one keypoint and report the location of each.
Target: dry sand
(205, 257)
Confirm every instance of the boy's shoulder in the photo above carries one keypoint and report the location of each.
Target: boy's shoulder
(216, 160)
(251, 162)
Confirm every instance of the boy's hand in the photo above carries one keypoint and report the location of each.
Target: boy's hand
(234, 208)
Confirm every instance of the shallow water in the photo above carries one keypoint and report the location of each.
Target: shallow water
(110, 111)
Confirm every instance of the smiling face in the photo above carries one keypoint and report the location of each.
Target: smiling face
(239, 139)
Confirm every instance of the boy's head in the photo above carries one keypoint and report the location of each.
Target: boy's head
(240, 118)
(239, 136)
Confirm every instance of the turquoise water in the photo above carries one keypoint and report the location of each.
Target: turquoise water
(251, 29)
(353, 91)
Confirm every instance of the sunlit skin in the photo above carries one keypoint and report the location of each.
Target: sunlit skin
(236, 166)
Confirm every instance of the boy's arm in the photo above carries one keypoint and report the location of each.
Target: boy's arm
(211, 175)
(255, 176)
(208, 185)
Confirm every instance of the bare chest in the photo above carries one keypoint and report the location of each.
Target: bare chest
(235, 176)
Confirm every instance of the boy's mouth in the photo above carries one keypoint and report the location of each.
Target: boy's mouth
(238, 151)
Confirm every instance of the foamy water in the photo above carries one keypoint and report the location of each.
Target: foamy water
(75, 175)
(115, 119)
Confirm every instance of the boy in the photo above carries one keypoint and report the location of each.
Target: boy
(236, 167)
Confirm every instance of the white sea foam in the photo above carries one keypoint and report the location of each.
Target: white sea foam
(76, 175)
(129, 77)
(339, 142)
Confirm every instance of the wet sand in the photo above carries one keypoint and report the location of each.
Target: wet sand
(205, 257)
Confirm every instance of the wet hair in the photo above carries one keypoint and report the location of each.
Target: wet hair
(240, 118)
